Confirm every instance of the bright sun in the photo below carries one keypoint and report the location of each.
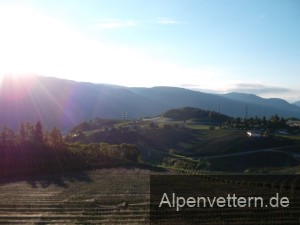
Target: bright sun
(31, 42)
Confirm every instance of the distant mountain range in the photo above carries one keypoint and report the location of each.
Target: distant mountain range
(297, 103)
(65, 103)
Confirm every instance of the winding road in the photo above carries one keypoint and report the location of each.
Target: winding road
(296, 155)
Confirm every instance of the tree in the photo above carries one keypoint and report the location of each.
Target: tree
(130, 153)
(3, 136)
(8, 136)
(47, 137)
(29, 132)
(275, 118)
(22, 134)
(55, 138)
(38, 133)
(264, 121)
(238, 122)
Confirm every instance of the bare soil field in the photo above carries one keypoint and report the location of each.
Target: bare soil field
(107, 196)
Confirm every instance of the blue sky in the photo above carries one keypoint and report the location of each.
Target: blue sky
(216, 46)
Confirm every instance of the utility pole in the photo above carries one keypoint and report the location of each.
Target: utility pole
(124, 114)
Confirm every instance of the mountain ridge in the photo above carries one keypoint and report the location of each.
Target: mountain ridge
(297, 103)
(276, 102)
(65, 103)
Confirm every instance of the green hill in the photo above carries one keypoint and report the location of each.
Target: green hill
(188, 113)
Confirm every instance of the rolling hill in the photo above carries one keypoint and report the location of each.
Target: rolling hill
(188, 113)
(251, 98)
(297, 103)
(65, 103)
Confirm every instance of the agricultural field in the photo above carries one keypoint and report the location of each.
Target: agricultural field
(193, 144)
(214, 186)
(133, 150)
(121, 196)
(107, 196)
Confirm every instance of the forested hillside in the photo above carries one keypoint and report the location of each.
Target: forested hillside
(65, 103)
(34, 151)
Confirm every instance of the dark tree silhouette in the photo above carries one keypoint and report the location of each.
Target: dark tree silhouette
(38, 133)
(56, 139)
(22, 134)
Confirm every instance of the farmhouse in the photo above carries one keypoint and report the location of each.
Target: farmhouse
(254, 133)
(293, 123)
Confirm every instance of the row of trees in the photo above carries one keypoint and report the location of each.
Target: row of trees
(31, 134)
(105, 153)
(188, 113)
(272, 123)
(32, 150)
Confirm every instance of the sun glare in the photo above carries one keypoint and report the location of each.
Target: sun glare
(33, 43)
(30, 41)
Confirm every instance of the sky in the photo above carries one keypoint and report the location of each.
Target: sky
(216, 46)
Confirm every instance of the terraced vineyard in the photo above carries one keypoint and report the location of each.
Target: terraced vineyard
(122, 196)
(265, 187)
(109, 196)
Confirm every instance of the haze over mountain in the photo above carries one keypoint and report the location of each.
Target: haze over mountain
(297, 103)
(65, 103)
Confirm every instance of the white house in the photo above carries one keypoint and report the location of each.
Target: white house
(254, 133)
